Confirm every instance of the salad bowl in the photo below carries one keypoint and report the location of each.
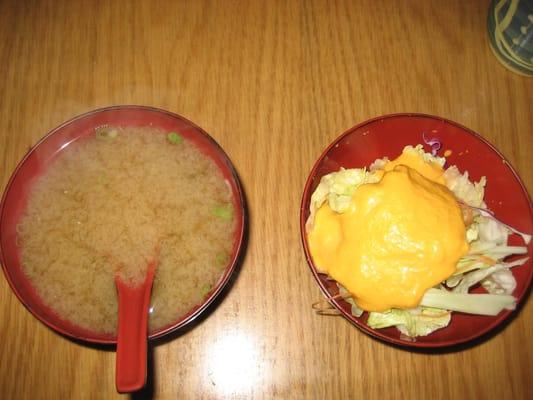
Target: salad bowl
(505, 196)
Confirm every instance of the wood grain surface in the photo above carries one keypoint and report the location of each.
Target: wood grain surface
(273, 82)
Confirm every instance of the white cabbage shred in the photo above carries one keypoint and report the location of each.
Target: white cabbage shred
(337, 188)
(466, 191)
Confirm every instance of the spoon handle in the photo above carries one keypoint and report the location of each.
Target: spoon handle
(133, 305)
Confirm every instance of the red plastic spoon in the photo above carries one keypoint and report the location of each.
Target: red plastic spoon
(133, 305)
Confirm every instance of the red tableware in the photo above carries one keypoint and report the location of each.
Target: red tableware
(133, 306)
(35, 162)
(505, 194)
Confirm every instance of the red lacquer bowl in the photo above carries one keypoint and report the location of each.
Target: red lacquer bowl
(15, 199)
(505, 195)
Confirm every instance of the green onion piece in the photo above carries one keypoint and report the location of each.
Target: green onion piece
(222, 259)
(224, 211)
(205, 289)
(106, 134)
(174, 138)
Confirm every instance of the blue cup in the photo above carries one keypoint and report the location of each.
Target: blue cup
(510, 28)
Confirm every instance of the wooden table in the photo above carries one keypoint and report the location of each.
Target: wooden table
(273, 82)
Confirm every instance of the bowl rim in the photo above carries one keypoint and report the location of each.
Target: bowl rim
(221, 284)
(498, 320)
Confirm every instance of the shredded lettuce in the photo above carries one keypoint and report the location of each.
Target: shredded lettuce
(417, 322)
(526, 237)
(469, 280)
(418, 149)
(378, 164)
(466, 191)
(494, 250)
(461, 283)
(427, 157)
(471, 266)
(491, 231)
(356, 311)
(500, 282)
(472, 233)
(481, 304)
(337, 188)
(453, 280)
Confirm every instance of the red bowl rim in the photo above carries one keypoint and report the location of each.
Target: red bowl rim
(365, 328)
(221, 283)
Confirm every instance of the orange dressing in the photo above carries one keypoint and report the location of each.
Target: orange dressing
(398, 238)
